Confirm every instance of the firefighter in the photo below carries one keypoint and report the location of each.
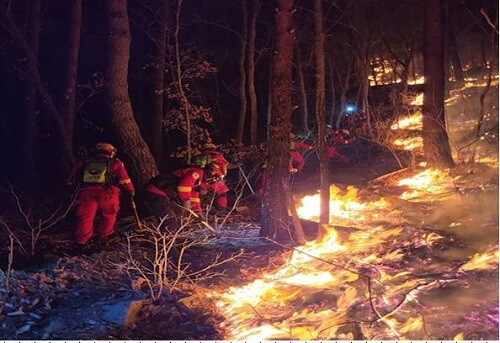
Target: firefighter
(336, 137)
(164, 194)
(215, 171)
(297, 161)
(100, 177)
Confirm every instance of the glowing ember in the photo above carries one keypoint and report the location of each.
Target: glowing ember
(490, 160)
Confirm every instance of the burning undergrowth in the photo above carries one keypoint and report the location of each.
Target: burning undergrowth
(366, 279)
(412, 256)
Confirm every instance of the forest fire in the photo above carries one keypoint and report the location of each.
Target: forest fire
(342, 206)
(413, 122)
(432, 182)
(316, 293)
(410, 143)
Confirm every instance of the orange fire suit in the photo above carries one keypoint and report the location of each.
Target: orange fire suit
(189, 179)
(336, 136)
(214, 179)
(103, 197)
(297, 162)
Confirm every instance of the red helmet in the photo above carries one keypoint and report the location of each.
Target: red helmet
(208, 147)
(105, 148)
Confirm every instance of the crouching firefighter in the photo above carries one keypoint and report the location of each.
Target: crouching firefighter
(100, 177)
(165, 194)
(215, 170)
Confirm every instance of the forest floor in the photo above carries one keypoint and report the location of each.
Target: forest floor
(420, 266)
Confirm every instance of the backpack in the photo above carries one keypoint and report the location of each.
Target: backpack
(96, 172)
(201, 161)
(167, 182)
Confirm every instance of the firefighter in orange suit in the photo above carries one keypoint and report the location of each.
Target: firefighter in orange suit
(187, 187)
(215, 172)
(100, 177)
(335, 137)
(297, 161)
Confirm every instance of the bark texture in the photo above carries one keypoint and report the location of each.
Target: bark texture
(135, 153)
(275, 219)
(319, 52)
(436, 145)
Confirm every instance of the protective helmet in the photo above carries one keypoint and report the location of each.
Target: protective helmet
(209, 147)
(105, 148)
(216, 170)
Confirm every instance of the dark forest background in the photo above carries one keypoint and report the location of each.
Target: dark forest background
(366, 39)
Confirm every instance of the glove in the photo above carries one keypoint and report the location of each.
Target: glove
(131, 194)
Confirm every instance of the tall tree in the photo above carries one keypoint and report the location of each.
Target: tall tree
(25, 37)
(319, 54)
(140, 161)
(252, 95)
(155, 121)
(299, 67)
(436, 145)
(275, 220)
(69, 86)
(242, 86)
(30, 127)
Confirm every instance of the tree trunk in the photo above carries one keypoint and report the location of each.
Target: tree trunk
(275, 218)
(454, 57)
(333, 95)
(319, 51)
(140, 161)
(28, 44)
(303, 92)
(155, 120)
(242, 87)
(30, 127)
(251, 72)
(70, 81)
(436, 145)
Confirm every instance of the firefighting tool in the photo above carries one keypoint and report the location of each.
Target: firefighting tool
(242, 172)
(246, 179)
(136, 215)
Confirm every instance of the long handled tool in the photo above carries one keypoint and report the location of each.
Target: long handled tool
(242, 172)
(136, 215)
(246, 179)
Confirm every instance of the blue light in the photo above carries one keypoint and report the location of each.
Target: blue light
(350, 108)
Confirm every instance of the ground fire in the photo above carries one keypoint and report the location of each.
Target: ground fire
(389, 266)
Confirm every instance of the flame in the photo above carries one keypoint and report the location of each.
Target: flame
(413, 122)
(343, 206)
(490, 160)
(309, 297)
(488, 260)
(419, 100)
(428, 182)
(410, 143)
(412, 324)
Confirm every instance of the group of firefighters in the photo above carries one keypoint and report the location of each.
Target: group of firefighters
(101, 175)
